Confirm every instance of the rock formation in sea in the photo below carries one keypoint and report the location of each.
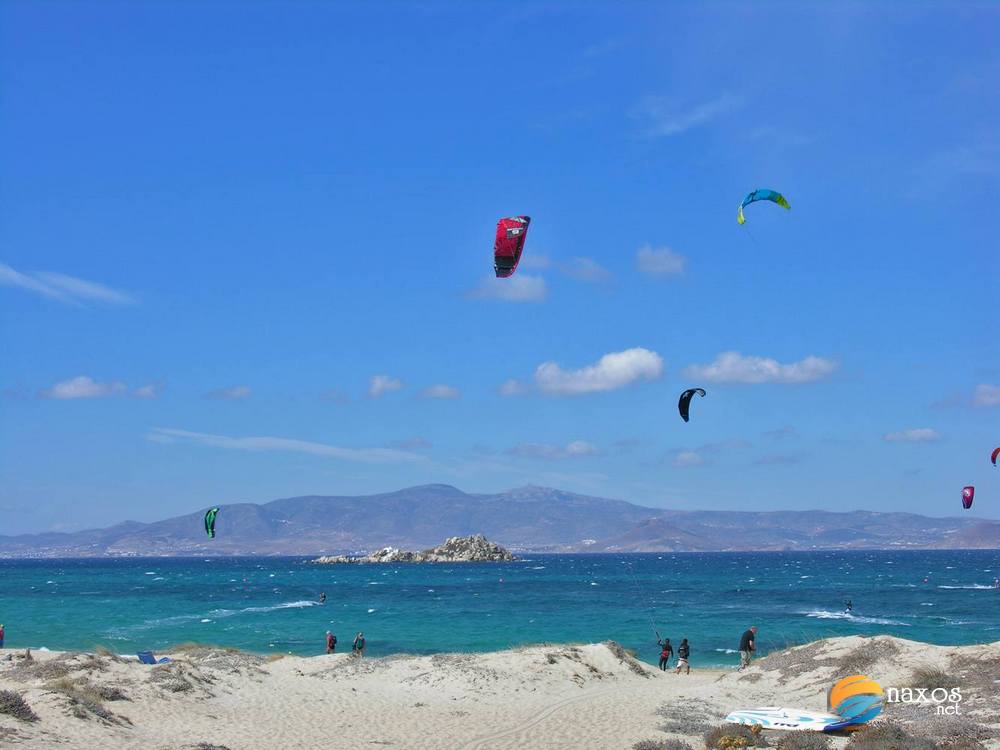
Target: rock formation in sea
(475, 548)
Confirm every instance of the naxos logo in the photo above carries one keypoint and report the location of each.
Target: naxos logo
(857, 699)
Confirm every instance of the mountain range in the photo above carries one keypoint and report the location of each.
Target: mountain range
(530, 518)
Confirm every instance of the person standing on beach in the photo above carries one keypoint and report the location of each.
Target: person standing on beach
(683, 651)
(666, 651)
(1, 635)
(748, 644)
(331, 642)
(359, 645)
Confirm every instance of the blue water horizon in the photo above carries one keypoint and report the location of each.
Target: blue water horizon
(271, 604)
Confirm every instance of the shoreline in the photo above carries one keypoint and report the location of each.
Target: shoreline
(543, 696)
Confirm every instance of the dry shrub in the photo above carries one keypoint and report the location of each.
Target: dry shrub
(108, 654)
(734, 736)
(930, 677)
(661, 745)
(628, 657)
(85, 700)
(862, 658)
(887, 735)
(12, 704)
(684, 717)
(804, 741)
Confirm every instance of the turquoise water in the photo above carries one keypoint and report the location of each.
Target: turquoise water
(270, 604)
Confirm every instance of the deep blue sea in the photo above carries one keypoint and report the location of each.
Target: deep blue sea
(271, 604)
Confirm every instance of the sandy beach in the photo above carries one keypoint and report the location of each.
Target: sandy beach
(587, 696)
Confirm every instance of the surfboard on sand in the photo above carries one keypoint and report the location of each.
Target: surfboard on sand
(788, 719)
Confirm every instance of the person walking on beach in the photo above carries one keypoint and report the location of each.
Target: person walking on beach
(359, 645)
(331, 642)
(666, 651)
(748, 644)
(683, 651)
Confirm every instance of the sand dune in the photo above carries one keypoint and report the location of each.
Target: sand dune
(545, 697)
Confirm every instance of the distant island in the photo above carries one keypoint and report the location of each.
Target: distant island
(474, 548)
(525, 519)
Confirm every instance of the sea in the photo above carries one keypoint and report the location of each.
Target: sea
(271, 604)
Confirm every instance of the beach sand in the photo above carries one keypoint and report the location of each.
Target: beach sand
(545, 697)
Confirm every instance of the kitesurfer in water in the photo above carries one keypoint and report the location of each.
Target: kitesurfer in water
(748, 644)
(683, 652)
(331, 642)
(849, 605)
(359, 645)
(322, 597)
(666, 651)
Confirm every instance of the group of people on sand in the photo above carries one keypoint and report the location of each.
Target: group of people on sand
(358, 649)
(667, 650)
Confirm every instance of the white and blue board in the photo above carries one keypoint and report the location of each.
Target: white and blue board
(788, 719)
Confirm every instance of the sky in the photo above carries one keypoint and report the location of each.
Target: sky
(246, 253)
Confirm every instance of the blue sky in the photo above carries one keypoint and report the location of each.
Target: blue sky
(246, 253)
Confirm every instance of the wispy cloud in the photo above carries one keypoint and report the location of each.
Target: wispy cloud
(986, 395)
(513, 387)
(535, 260)
(62, 288)
(913, 435)
(700, 455)
(149, 392)
(733, 367)
(416, 443)
(780, 433)
(576, 449)
(84, 387)
(231, 393)
(687, 459)
(777, 459)
(382, 384)
(517, 288)
(611, 372)
(587, 270)
(281, 445)
(663, 116)
(659, 261)
(440, 391)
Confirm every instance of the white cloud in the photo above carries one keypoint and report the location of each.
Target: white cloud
(513, 387)
(663, 117)
(586, 269)
(986, 395)
(575, 449)
(150, 391)
(232, 393)
(684, 459)
(283, 445)
(66, 289)
(517, 288)
(733, 367)
(612, 371)
(84, 387)
(659, 261)
(382, 384)
(440, 391)
(913, 435)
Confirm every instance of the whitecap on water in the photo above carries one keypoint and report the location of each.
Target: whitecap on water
(370, 611)
(205, 620)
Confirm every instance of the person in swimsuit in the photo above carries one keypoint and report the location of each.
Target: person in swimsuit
(683, 652)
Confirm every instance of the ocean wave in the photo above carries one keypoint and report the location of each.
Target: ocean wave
(823, 614)
(975, 586)
(285, 605)
(726, 650)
